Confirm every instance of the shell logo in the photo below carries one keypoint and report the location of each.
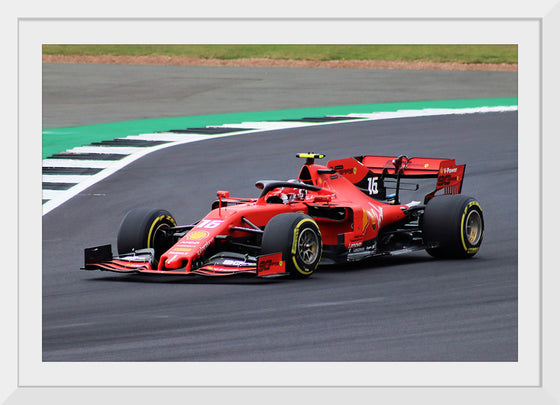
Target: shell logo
(355, 170)
(197, 235)
(181, 249)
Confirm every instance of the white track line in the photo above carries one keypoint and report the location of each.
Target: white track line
(59, 197)
(269, 125)
(53, 195)
(168, 137)
(64, 178)
(119, 150)
(96, 164)
(430, 112)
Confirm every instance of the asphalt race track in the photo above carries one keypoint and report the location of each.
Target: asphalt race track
(403, 308)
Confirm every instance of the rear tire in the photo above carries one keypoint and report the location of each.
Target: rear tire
(453, 226)
(298, 238)
(142, 228)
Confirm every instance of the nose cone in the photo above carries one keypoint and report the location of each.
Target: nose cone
(173, 262)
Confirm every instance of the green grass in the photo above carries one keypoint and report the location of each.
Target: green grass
(432, 53)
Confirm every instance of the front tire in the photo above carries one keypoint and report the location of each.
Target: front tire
(144, 228)
(298, 238)
(453, 226)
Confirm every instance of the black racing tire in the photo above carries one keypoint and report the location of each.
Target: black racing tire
(141, 228)
(453, 227)
(298, 238)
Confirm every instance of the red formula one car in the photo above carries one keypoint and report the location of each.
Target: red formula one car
(346, 211)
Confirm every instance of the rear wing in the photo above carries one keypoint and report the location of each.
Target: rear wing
(363, 171)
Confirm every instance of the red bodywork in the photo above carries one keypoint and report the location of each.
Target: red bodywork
(347, 198)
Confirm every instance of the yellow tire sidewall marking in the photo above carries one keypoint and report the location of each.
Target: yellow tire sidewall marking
(154, 223)
(295, 243)
(469, 205)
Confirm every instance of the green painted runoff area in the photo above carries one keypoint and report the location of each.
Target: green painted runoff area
(58, 140)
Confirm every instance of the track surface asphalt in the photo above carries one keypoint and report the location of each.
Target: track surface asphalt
(404, 308)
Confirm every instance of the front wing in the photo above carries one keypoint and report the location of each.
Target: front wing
(224, 264)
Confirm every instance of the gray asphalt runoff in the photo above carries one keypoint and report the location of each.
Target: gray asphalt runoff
(404, 308)
(77, 94)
